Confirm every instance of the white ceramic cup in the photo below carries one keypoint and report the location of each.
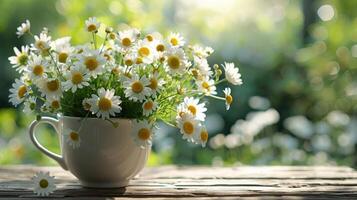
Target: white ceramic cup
(107, 156)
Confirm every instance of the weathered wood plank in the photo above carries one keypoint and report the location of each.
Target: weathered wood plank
(198, 182)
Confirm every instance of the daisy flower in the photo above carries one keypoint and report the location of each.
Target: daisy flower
(20, 59)
(42, 42)
(129, 59)
(29, 105)
(176, 40)
(207, 86)
(76, 78)
(109, 56)
(193, 106)
(43, 183)
(63, 49)
(189, 126)
(79, 49)
(152, 37)
(23, 28)
(158, 43)
(202, 137)
(18, 92)
(155, 82)
(50, 87)
(136, 88)
(149, 106)
(142, 133)
(232, 74)
(160, 46)
(53, 104)
(145, 51)
(73, 138)
(36, 68)
(105, 104)
(203, 67)
(116, 69)
(92, 25)
(228, 97)
(176, 61)
(87, 104)
(127, 38)
(149, 38)
(93, 61)
(200, 52)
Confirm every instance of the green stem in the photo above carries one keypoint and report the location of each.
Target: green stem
(220, 81)
(94, 41)
(85, 118)
(55, 62)
(170, 124)
(105, 40)
(216, 97)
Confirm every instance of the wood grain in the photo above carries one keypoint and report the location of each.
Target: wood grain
(175, 182)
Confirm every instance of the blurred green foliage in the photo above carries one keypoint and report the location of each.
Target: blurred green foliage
(298, 104)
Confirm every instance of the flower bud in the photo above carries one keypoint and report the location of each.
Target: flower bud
(108, 29)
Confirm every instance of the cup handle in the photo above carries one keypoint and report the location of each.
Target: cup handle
(55, 124)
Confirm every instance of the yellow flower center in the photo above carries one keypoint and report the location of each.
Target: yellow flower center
(148, 105)
(126, 42)
(74, 136)
(116, 70)
(112, 36)
(205, 85)
(91, 63)
(43, 183)
(86, 106)
(62, 57)
(22, 59)
(150, 38)
(139, 61)
(107, 57)
(128, 62)
(229, 99)
(144, 134)
(173, 62)
(204, 135)
(144, 51)
(41, 45)
(55, 104)
(104, 104)
(188, 127)
(195, 73)
(22, 91)
(174, 41)
(160, 47)
(38, 70)
(162, 59)
(181, 113)
(91, 28)
(77, 78)
(153, 84)
(192, 109)
(53, 85)
(137, 87)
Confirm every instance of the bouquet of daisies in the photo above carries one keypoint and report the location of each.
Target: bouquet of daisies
(126, 74)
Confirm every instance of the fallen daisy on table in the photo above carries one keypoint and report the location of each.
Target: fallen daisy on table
(43, 183)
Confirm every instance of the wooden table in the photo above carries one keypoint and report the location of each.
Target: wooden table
(172, 182)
